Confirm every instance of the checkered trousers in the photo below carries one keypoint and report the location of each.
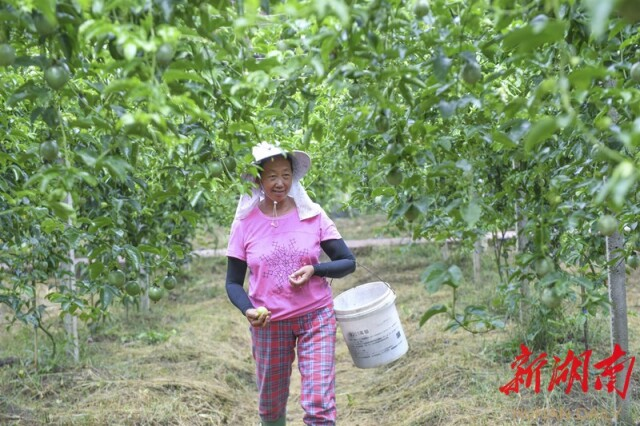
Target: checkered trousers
(274, 352)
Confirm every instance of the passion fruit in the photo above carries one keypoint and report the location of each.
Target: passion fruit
(471, 72)
(7, 55)
(412, 213)
(421, 8)
(607, 225)
(132, 288)
(633, 261)
(156, 293)
(165, 54)
(56, 76)
(216, 169)
(44, 26)
(394, 176)
(229, 164)
(169, 282)
(115, 50)
(117, 278)
(543, 266)
(550, 298)
(49, 150)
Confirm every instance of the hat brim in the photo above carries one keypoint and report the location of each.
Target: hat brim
(300, 160)
(301, 164)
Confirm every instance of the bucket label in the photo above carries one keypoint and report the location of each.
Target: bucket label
(356, 334)
(367, 343)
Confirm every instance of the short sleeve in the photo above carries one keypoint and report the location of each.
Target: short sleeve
(236, 247)
(328, 229)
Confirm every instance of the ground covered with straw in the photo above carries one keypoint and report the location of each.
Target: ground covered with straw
(188, 362)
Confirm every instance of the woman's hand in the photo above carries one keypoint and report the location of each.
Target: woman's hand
(258, 317)
(301, 276)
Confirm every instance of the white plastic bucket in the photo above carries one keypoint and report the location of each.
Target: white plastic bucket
(370, 324)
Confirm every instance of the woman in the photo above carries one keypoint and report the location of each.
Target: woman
(278, 233)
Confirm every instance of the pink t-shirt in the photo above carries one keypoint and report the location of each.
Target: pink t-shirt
(272, 253)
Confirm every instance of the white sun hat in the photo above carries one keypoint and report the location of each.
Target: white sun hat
(301, 164)
(300, 159)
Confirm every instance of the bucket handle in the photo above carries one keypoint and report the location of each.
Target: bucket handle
(376, 275)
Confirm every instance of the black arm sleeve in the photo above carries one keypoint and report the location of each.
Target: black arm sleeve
(342, 263)
(236, 271)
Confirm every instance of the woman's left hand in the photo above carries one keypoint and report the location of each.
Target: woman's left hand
(301, 276)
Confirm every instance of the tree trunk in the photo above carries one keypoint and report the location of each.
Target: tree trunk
(71, 321)
(521, 243)
(445, 251)
(477, 266)
(144, 297)
(619, 329)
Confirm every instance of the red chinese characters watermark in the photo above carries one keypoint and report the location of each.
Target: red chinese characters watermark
(525, 371)
(574, 369)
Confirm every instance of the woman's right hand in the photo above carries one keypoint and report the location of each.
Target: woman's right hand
(258, 317)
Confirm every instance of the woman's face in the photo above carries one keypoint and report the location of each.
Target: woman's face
(276, 178)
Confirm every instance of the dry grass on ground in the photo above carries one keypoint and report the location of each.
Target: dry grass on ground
(188, 362)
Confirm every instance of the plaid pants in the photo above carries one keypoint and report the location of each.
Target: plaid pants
(274, 351)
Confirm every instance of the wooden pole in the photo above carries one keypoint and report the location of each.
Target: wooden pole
(619, 325)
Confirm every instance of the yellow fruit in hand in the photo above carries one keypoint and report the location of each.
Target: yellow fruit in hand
(262, 311)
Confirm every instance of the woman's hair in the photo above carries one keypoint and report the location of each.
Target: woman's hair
(264, 160)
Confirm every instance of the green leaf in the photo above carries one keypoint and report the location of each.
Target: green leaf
(340, 9)
(88, 158)
(455, 276)
(542, 130)
(117, 167)
(476, 310)
(146, 248)
(107, 294)
(63, 210)
(452, 326)
(618, 186)
(600, 10)
(190, 216)
(124, 85)
(447, 109)
(434, 276)
(529, 37)
(172, 75)
(386, 191)
(406, 93)
(196, 197)
(472, 213)
(100, 222)
(95, 29)
(497, 323)
(133, 256)
(47, 8)
(502, 141)
(49, 225)
(28, 91)
(96, 269)
(582, 78)
(434, 310)
(441, 67)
